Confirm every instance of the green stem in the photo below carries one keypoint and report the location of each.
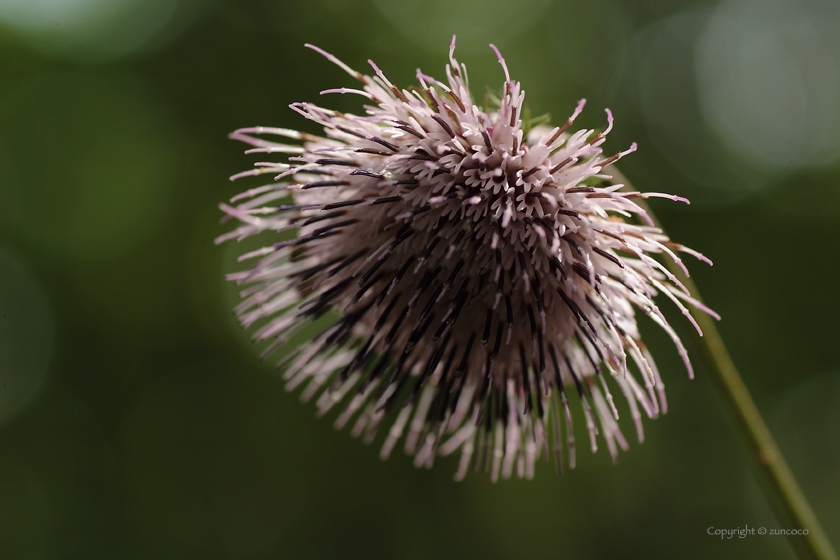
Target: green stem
(780, 486)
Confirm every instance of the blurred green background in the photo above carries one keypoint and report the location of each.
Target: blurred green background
(135, 418)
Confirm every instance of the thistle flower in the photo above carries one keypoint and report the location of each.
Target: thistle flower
(471, 275)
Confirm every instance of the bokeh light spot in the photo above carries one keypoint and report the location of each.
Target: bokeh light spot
(672, 113)
(807, 425)
(769, 83)
(87, 29)
(26, 331)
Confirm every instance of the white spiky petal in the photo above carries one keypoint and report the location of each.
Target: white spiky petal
(475, 275)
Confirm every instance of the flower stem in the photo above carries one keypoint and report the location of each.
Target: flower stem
(779, 485)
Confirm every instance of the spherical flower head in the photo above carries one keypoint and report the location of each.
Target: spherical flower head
(474, 280)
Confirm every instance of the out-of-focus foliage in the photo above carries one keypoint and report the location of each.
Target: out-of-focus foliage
(135, 419)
